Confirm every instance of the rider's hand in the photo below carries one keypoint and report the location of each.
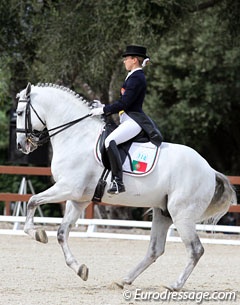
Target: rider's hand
(96, 104)
(96, 111)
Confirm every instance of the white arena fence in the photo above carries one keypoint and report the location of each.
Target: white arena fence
(91, 228)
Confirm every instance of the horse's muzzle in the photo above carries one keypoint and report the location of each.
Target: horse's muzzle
(26, 146)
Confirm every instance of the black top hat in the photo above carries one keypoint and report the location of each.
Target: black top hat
(135, 51)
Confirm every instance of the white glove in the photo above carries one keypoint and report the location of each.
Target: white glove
(96, 104)
(96, 111)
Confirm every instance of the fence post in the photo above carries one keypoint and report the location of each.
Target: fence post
(7, 211)
(89, 212)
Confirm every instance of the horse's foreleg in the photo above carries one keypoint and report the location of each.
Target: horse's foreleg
(55, 193)
(72, 213)
(39, 235)
(160, 226)
(187, 231)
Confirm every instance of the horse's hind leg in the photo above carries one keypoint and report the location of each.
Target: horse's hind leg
(160, 226)
(72, 213)
(187, 231)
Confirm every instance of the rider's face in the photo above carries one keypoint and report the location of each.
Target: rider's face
(130, 62)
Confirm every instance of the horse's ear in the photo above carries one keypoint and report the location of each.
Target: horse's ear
(28, 89)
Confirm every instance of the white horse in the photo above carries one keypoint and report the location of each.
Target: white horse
(183, 189)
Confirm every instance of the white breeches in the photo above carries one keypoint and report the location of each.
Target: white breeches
(127, 130)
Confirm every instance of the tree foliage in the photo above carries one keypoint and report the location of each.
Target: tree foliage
(195, 88)
(193, 80)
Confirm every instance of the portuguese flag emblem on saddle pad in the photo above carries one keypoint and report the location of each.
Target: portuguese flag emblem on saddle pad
(141, 159)
(139, 166)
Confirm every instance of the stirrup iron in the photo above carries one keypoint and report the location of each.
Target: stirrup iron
(116, 187)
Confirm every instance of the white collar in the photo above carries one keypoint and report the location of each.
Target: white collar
(131, 72)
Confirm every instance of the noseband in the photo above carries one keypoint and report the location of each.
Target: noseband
(38, 138)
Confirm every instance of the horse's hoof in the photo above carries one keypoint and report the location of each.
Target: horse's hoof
(170, 288)
(41, 236)
(83, 272)
(118, 284)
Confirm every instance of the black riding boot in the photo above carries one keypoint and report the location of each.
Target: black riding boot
(117, 185)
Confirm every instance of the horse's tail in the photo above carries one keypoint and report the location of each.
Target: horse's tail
(223, 197)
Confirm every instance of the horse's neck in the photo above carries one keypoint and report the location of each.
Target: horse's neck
(62, 107)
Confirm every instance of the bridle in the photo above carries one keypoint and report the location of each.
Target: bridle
(38, 138)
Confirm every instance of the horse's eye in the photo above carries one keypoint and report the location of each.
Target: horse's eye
(19, 112)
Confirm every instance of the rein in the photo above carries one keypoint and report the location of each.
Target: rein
(38, 138)
(63, 127)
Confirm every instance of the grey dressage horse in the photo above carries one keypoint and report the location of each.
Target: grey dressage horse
(182, 190)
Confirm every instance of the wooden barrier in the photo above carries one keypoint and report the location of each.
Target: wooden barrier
(46, 171)
(27, 171)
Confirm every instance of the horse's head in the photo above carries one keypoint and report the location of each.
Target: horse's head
(29, 125)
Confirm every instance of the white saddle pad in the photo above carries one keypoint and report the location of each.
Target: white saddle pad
(143, 158)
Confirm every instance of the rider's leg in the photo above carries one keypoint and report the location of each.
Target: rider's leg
(127, 130)
(124, 132)
(117, 185)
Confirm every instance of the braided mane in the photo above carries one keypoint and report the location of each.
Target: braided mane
(76, 95)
